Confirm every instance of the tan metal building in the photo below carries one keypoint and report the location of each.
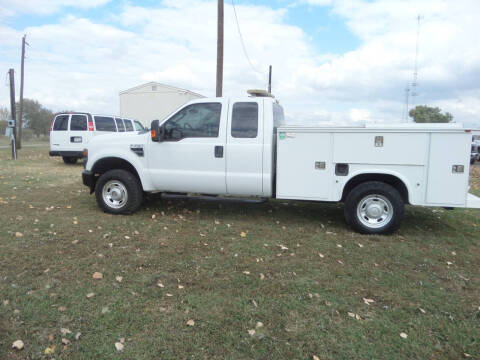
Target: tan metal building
(152, 101)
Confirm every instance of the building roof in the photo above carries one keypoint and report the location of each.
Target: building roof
(171, 88)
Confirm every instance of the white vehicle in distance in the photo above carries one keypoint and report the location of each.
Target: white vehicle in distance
(241, 147)
(71, 131)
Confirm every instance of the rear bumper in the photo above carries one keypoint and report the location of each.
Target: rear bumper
(77, 154)
(88, 179)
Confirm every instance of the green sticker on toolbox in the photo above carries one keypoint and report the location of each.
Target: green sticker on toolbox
(281, 135)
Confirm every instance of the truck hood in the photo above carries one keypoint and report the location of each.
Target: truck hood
(119, 139)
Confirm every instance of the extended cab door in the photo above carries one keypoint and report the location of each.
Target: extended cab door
(245, 147)
(192, 156)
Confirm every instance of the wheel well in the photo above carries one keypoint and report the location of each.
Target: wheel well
(112, 163)
(385, 178)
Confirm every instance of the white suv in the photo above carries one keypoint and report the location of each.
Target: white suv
(71, 131)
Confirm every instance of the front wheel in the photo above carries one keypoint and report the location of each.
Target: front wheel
(374, 208)
(118, 192)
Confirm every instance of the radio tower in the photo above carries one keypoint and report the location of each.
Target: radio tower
(414, 93)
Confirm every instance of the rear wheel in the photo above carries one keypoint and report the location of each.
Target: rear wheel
(119, 192)
(69, 160)
(374, 208)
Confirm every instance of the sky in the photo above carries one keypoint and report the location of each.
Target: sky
(334, 61)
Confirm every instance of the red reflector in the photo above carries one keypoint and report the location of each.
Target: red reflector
(154, 133)
(468, 131)
(90, 126)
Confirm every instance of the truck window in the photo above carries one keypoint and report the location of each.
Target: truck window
(104, 123)
(196, 120)
(78, 123)
(61, 123)
(128, 125)
(278, 116)
(245, 120)
(120, 126)
(138, 126)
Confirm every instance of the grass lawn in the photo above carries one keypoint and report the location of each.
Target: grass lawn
(293, 267)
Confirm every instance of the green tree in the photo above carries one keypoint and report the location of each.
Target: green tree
(36, 117)
(4, 116)
(427, 114)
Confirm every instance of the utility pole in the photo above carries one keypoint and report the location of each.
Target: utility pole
(270, 80)
(20, 115)
(13, 113)
(220, 49)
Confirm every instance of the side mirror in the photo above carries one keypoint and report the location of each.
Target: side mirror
(157, 132)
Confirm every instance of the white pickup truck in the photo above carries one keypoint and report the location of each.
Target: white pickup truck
(241, 147)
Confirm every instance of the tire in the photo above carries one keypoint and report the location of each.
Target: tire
(119, 192)
(69, 160)
(374, 208)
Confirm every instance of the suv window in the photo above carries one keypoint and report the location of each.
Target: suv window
(138, 126)
(128, 125)
(61, 123)
(245, 120)
(120, 126)
(196, 120)
(78, 123)
(104, 123)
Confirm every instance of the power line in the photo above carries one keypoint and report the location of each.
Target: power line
(243, 43)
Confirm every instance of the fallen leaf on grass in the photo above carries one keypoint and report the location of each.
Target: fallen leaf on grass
(191, 322)
(105, 310)
(119, 278)
(246, 272)
(77, 335)
(62, 308)
(360, 245)
(315, 357)
(119, 346)
(259, 325)
(97, 275)
(283, 247)
(422, 311)
(403, 335)
(262, 277)
(321, 255)
(243, 234)
(65, 341)
(18, 345)
(90, 295)
(50, 350)
(251, 332)
(18, 234)
(65, 331)
(368, 301)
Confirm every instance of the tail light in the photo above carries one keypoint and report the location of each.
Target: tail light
(90, 126)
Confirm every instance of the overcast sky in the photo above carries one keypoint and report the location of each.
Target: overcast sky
(333, 60)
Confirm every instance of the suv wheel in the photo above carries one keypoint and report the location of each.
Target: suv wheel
(69, 160)
(118, 192)
(374, 208)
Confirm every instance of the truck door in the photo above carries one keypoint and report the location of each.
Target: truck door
(245, 148)
(192, 156)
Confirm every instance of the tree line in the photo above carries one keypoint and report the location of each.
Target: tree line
(36, 118)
